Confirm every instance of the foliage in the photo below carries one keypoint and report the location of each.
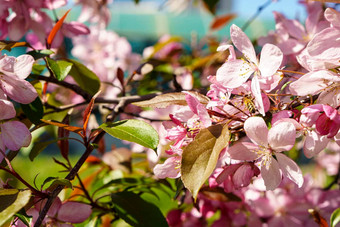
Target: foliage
(214, 134)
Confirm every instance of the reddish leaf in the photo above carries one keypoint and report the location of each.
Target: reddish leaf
(93, 160)
(120, 76)
(62, 132)
(101, 146)
(88, 111)
(321, 221)
(75, 129)
(221, 21)
(56, 28)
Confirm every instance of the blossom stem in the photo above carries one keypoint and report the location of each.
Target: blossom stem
(290, 71)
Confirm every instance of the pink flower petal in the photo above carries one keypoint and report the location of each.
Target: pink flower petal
(243, 175)
(281, 137)
(7, 110)
(169, 168)
(333, 17)
(243, 151)
(227, 171)
(322, 48)
(270, 60)
(271, 174)
(313, 82)
(19, 90)
(23, 66)
(52, 212)
(74, 212)
(257, 130)
(290, 169)
(256, 91)
(199, 109)
(15, 135)
(242, 43)
(314, 144)
(233, 74)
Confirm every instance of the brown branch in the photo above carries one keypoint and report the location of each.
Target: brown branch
(65, 84)
(69, 177)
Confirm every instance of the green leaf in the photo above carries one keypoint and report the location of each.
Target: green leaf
(34, 111)
(136, 211)
(38, 147)
(37, 54)
(200, 157)
(60, 68)
(335, 218)
(134, 131)
(84, 77)
(38, 69)
(63, 182)
(11, 201)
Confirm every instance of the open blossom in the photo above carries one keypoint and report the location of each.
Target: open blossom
(234, 73)
(13, 72)
(266, 144)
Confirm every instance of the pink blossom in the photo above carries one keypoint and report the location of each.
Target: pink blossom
(325, 118)
(236, 176)
(198, 108)
(234, 73)
(266, 143)
(170, 168)
(13, 72)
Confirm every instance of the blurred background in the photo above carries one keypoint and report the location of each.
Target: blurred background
(146, 21)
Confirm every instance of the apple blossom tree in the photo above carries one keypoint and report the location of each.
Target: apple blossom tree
(237, 133)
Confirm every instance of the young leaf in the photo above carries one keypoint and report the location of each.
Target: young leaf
(34, 111)
(11, 201)
(62, 132)
(88, 111)
(37, 54)
(199, 158)
(165, 100)
(136, 211)
(56, 28)
(335, 218)
(84, 77)
(60, 68)
(75, 129)
(221, 21)
(321, 221)
(132, 130)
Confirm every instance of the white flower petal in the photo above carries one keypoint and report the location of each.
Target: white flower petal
(257, 130)
(242, 43)
(270, 60)
(290, 169)
(281, 136)
(271, 174)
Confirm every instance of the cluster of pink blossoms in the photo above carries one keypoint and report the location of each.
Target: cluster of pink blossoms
(292, 87)
(13, 72)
